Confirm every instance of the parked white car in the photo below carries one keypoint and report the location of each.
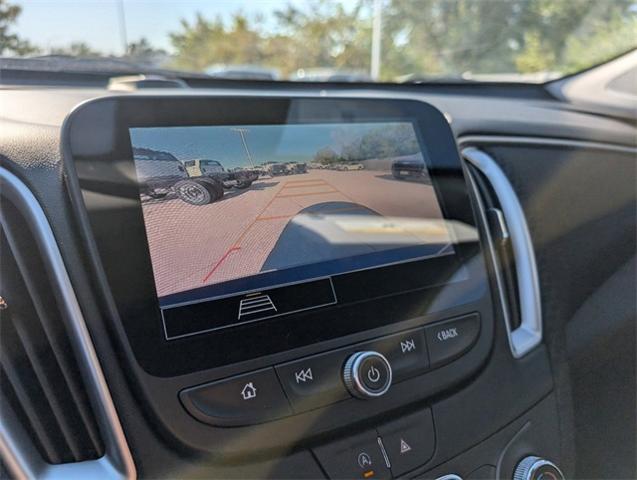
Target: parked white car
(350, 166)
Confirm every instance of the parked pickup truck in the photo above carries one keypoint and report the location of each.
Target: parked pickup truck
(197, 182)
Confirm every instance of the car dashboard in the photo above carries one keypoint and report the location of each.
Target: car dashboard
(462, 307)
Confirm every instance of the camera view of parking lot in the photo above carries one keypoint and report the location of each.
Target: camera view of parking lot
(222, 203)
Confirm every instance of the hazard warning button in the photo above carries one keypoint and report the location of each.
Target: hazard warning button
(409, 441)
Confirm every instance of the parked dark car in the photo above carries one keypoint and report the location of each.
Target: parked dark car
(412, 167)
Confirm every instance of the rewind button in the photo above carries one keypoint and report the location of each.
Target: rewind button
(313, 381)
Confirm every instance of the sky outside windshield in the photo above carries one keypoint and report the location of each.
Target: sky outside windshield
(323, 40)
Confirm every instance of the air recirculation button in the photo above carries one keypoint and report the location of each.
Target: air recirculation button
(367, 374)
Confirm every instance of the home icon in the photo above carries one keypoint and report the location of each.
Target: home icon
(249, 391)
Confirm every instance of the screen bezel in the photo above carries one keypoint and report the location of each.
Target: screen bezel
(125, 255)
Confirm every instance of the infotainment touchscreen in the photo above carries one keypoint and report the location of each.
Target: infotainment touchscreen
(235, 209)
(230, 228)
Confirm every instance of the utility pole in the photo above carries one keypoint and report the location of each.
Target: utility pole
(121, 16)
(242, 133)
(376, 39)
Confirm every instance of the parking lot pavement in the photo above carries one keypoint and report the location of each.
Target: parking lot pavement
(192, 246)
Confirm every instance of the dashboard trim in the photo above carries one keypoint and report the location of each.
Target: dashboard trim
(117, 461)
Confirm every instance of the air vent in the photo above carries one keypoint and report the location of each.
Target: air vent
(500, 241)
(38, 373)
(57, 418)
(510, 250)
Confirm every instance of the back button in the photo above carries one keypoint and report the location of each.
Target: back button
(450, 339)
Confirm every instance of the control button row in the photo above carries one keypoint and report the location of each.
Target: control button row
(317, 381)
(392, 449)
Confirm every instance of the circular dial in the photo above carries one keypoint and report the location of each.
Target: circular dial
(536, 468)
(367, 374)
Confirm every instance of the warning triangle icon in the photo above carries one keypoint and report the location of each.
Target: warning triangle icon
(404, 446)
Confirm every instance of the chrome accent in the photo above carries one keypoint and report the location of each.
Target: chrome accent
(450, 476)
(501, 223)
(529, 334)
(18, 452)
(351, 375)
(383, 451)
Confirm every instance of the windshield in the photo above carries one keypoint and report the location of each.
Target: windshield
(324, 40)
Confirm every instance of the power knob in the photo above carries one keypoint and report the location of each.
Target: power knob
(367, 374)
(536, 468)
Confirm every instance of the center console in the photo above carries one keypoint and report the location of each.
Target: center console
(289, 274)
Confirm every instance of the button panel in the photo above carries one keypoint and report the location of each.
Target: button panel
(317, 381)
(358, 456)
(395, 448)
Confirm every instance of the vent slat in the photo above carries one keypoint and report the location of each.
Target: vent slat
(50, 391)
(27, 405)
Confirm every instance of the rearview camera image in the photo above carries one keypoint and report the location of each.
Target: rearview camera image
(233, 208)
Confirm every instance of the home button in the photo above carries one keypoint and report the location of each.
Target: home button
(242, 400)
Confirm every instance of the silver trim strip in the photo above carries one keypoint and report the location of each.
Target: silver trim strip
(20, 457)
(529, 334)
(383, 451)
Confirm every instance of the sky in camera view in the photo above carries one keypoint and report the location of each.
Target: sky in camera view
(267, 143)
